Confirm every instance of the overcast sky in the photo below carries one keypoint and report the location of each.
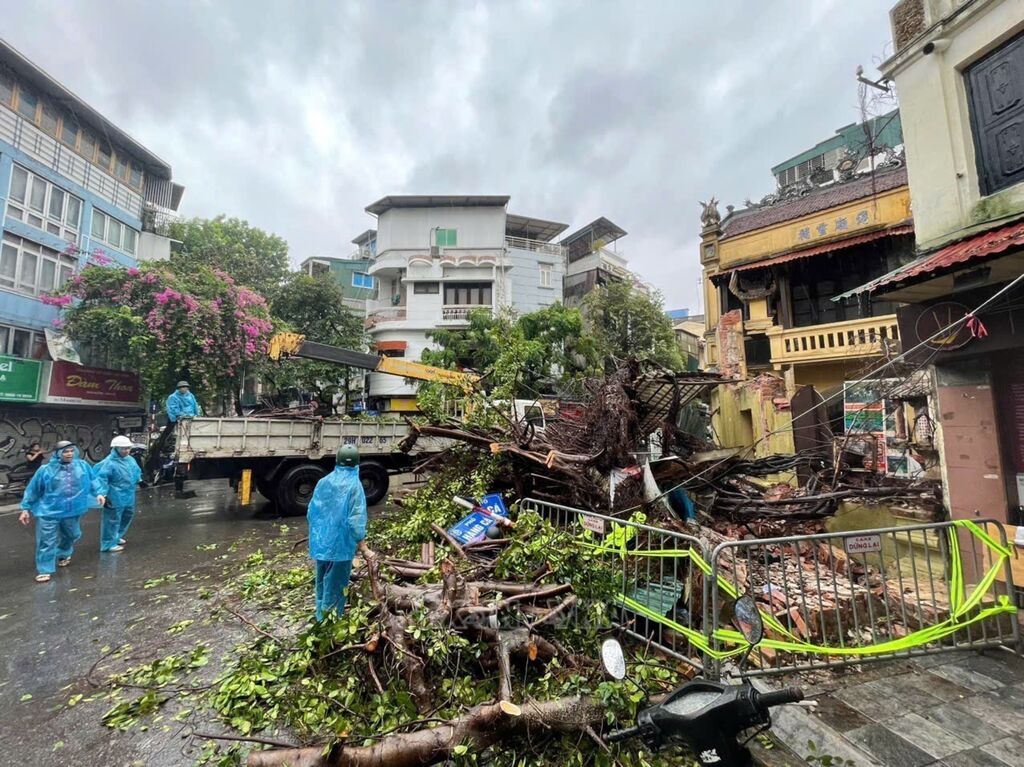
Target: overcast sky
(297, 115)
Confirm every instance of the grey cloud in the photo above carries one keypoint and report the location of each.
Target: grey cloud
(296, 115)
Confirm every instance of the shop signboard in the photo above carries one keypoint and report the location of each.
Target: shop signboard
(19, 379)
(72, 384)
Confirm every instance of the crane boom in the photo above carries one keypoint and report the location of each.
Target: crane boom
(296, 345)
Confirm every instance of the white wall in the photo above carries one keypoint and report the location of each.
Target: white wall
(526, 293)
(941, 163)
(410, 228)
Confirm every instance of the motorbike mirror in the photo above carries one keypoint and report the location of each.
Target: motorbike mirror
(613, 659)
(747, 619)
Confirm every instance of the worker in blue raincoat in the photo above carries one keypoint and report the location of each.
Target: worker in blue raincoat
(59, 493)
(337, 529)
(119, 474)
(182, 403)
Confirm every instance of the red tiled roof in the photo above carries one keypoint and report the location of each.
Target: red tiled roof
(828, 247)
(743, 221)
(989, 243)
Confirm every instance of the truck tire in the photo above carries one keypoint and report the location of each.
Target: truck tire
(295, 488)
(267, 488)
(375, 481)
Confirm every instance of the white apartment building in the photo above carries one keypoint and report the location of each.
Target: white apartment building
(439, 257)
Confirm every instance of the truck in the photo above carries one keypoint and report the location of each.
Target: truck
(286, 457)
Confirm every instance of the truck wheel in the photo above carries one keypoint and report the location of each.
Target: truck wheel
(265, 486)
(375, 482)
(295, 488)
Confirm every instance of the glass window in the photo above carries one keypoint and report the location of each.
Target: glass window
(48, 273)
(104, 154)
(121, 167)
(21, 343)
(57, 204)
(6, 87)
(8, 264)
(135, 179)
(87, 145)
(73, 215)
(545, 275)
(38, 199)
(69, 130)
(5, 332)
(49, 118)
(65, 272)
(114, 232)
(28, 102)
(360, 280)
(446, 238)
(99, 225)
(426, 287)
(28, 269)
(19, 184)
(129, 242)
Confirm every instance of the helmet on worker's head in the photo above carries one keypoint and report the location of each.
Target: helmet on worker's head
(120, 441)
(183, 385)
(62, 445)
(348, 455)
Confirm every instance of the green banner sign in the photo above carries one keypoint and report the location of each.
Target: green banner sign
(19, 379)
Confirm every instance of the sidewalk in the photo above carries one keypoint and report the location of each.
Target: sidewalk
(960, 709)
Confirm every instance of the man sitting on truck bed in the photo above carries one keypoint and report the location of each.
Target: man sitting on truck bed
(337, 528)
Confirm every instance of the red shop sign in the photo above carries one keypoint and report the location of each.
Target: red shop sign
(74, 384)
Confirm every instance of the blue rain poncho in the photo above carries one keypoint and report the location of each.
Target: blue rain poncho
(118, 477)
(179, 405)
(59, 490)
(337, 515)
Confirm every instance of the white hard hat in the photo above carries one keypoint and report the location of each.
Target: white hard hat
(120, 441)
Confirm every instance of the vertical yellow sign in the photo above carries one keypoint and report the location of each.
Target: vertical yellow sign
(245, 487)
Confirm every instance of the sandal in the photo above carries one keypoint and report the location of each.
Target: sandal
(43, 578)
(64, 562)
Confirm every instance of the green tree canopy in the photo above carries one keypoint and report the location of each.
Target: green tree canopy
(314, 307)
(626, 322)
(540, 352)
(252, 257)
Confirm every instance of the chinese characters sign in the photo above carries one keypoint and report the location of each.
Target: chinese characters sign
(833, 226)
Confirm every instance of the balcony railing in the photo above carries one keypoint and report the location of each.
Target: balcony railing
(460, 313)
(521, 243)
(835, 340)
(375, 318)
(43, 148)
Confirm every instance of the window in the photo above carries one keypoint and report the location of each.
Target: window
(995, 90)
(28, 103)
(69, 130)
(48, 119)
(426, 288)
(467, 294)
(545, 275)
(87, 146)
(446, 238)
(135, 176)
(21, 342)
(104, 154)
(6, 87)
(360, 280)
(121, 167)
(31, 268)
(113, 232)
(38, 203)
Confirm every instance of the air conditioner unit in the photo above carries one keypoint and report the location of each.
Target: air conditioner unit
(435, 251)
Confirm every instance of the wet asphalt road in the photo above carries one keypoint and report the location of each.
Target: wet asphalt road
(51, 634)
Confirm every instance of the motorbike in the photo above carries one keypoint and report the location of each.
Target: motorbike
(706, 716)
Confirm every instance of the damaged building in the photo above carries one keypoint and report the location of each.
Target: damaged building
(773, 274)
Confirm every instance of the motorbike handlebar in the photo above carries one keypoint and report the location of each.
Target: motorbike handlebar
(625, 734)
(779, 697)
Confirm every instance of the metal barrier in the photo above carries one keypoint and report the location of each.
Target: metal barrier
(828, 600)
(659, 571)
(838, 599)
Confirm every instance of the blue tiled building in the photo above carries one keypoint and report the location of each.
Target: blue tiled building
(73, 187)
